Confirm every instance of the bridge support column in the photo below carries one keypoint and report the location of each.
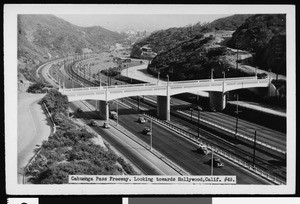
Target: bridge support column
(163, 107)
(104, 109)
(217, 100)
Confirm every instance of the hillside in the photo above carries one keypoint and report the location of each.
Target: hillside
(163, 40)
(230, 22)
(265, 36)
(42, 37)
(194, 59)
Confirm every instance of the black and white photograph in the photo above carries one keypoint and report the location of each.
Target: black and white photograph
(149, 99)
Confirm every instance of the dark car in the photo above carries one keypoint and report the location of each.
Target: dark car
(93, 123)
(146, 131)
(202, 149)
(79, 110)
(141, 120)
(216, 162)
(262, 76)
(106, 125)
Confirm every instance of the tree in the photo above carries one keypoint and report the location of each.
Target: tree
(36, 87)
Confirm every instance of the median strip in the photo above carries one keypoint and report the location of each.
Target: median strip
(238, 134)
(233, 159)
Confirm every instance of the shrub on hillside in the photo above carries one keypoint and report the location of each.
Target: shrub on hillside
(36, 88)
(213, 52)
(127, 168)
(69, 150)
(56, 102)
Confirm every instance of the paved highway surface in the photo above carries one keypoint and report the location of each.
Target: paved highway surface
(183, 151)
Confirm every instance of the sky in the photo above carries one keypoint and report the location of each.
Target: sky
(148, 22)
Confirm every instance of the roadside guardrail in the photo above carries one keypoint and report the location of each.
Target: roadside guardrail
(238, 134)
(216, 150)
(39, 150)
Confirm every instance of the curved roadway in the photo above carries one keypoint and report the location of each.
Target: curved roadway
(183, 152)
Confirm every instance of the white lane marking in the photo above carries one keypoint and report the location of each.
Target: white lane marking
(154, 166)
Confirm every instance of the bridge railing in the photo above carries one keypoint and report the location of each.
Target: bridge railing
(234, 78)
(179, 84)
(256, 81)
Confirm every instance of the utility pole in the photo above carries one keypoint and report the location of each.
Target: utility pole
(151, 129)
(191, 109)
(138, 103)
(237, 115)
(212, 162)
(72, 79)
(99, 79)
(117, 112)
(199, 109)
(89, 71)
(107, 79)
(278, 53)
(254, 148)
(237, 53)
(158, 73)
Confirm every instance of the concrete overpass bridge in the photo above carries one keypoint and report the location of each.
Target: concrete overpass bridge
(216, 88)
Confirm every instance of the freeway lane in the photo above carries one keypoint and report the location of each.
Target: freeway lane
(182, 151)
(120, 146)
(134, 153)
(266, 135)
(268, 162)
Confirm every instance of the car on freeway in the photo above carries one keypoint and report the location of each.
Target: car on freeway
(216, 162)
(262, 75)
(146, 131)
(212, 109)
(93, 123)
(79, 110)
(202, 149)
(106, 125)
(141, 120)
(113, 115)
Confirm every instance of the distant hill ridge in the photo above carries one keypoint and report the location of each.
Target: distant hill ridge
(191, 52)
(42, 37)
(230, 22)
(163, 40)
(265, 36)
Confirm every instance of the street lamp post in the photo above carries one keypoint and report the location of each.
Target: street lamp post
(199, 109)
(89, 72)
(237, 55)
(191, 109)
(212, 74)
(223, 87)
(151, 129)
(138, 103)
(212, 162)
(237, 115)
(256, 72)
(99, 78)
(72, 77)
(168, 80)
(254, 148)
(158, 77)
(107, 79)
(117, 113)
